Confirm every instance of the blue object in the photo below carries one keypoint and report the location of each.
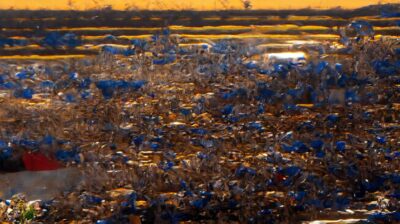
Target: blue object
(29, 144)
(166, 166)
(332, 118)
(165, 60)
(73, 76)
(47, 84)
(351, 96)
(386, 14)
(300, 147)
(91, 199)
(320, 154)
(85, 94)
(199, 203)
(26, 93)
(3, 144)
(48, 140)
(70, 98)
(362, 28)
(102, 222)
(321, 67)
(252, 65)
(136, 85)
(256, 125)
(199, 131)
(298, 195)
(202, 156)
(154, 145)
(341, 146)
(317, 144)
(228, 109)
(85, 83)
(290, 171)
(11, 42)
(138, 140)
(339, 67)
(5, 153)
(57, 40)
(297, 146)
(384, 68)
(68, 155)
(109, 87)
(378, 217)
(242, 170)
(71, 40)
(118, 51)
(139, 43)
(25, 74)
(52, 39)
(381, 139)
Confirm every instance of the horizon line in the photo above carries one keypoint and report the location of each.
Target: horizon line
(108, 8)
(189, 5)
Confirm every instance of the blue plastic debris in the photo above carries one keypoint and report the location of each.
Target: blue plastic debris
(48, 140)
(91, 199)
(381, 139)
(155, 145)
(26, 93)
(199, 131)
(341, 146)
(290, 171)
(71, 40)
(56, 40)
(332, 118)
(252, 65)
(70, 98)
(199, 203)
(321, 67)
(168, 59)
(5, 153)
(102, 222)
(118, 51)
(11, 42)
(110, 87)
(256, 125)
(68, 155)
(351, 96)
(85, 94)
(362, 28)
(317, 144)
(139, 43)
(242, 170)
(73, 75)
(228, 109)
(25, 74)
(388, 14)
(47, 84)
(384, 68)
(167, 165)
(297, 146)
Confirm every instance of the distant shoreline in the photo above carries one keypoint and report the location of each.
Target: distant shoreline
(45, 19)
(337, 12)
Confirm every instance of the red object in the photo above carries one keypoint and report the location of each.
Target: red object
(279, 177)
(39, 162)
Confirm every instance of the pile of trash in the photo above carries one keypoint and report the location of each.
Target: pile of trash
(217, 131)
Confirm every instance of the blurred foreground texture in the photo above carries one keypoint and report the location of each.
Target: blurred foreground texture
(200, 116)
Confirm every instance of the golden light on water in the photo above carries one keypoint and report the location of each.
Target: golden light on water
(185, 4)
(287, 55)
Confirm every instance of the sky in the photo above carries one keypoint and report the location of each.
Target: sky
(185, 4)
